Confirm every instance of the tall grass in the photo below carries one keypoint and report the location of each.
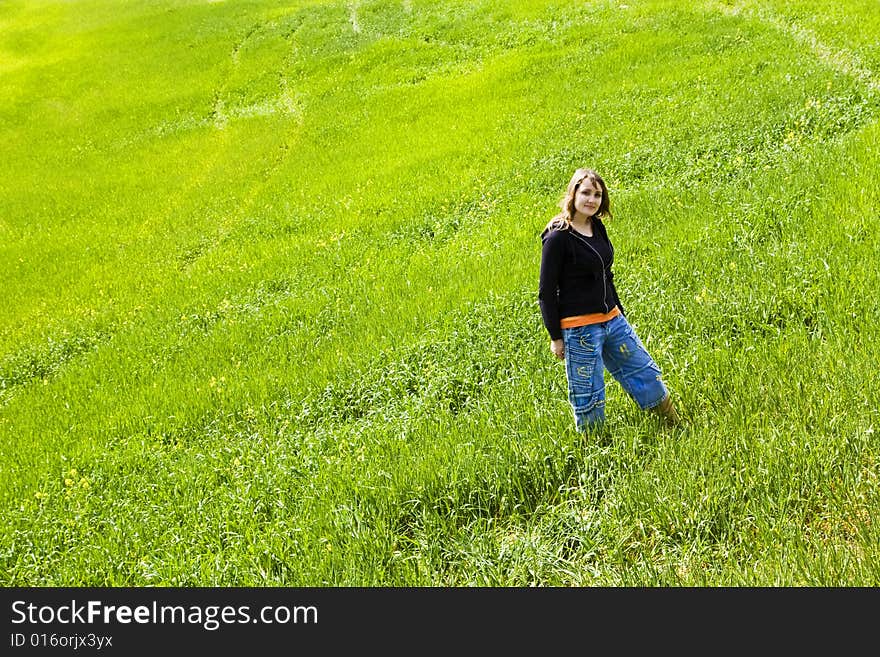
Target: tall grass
(270, 271)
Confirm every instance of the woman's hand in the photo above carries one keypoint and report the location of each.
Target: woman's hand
(558, 348)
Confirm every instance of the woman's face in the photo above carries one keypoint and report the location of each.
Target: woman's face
(588, 198)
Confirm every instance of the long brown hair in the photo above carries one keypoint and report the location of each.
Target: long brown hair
(566, 205)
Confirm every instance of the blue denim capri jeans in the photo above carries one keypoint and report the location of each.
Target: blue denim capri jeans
(614, 345)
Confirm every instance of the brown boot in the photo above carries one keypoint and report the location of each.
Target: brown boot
(667, 411)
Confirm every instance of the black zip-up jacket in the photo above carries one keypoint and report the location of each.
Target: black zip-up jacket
(576, 276)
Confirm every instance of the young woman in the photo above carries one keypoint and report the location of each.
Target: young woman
(583, 314)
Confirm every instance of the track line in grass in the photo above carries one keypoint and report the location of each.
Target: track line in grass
(44, 360)
(842, 61)
(241, 42)
(353, 16)
(45, 363)
(287, 103)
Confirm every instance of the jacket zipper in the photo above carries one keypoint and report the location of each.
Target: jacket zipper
(604, 281)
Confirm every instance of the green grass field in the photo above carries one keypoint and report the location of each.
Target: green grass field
(269, 276)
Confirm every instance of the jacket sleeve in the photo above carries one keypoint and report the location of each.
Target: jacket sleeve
(548, 284)
(610, 273)
(616, 297)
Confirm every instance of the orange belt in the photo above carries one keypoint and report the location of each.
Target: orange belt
(591, 318)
